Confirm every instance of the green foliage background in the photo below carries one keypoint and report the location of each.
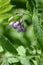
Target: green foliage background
(24, 48)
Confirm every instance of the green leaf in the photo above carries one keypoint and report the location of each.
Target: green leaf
(7, 45)
(41, 60)
(24, 60)
(10, 58)
(5, 62)
(1, 49)
(5, 9)
(13, 60)
(5, 16)
(27, 5)
(35, 62)
(21, 51)
(37, 29)
(31, 36)
(4, 3)
(27, 18)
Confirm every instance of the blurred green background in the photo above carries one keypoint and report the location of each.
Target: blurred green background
(21, 48)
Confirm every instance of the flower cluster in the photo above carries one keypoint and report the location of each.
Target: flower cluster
(18, 25)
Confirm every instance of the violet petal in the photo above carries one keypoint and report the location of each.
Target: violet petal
(14, 24)
(11, 23)
(19, 29)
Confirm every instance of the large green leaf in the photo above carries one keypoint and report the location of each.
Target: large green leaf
(4, 3)
(5, 16)
(7, 45)
(11, 58)
(37, 29)
(6, 8)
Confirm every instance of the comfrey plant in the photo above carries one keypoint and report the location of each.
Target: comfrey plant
(18, 25)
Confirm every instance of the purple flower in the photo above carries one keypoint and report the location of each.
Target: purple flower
(18, 25)
(11, 23)
(19, 29)
(14, 24)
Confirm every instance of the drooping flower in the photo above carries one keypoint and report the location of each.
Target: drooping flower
(21, 28)
(15, 24)
(18, 25)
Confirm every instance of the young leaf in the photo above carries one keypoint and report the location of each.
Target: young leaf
(21, 51)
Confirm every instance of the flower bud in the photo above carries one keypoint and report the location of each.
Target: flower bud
(21, 21)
